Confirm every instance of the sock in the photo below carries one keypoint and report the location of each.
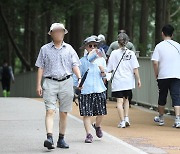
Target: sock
(161, 115)
(4, 93)
(178, 117)
(49, 135)
(61, 136)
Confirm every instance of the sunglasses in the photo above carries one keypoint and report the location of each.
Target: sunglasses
(91, 46)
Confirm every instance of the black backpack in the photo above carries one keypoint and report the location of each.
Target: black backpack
(6, 73)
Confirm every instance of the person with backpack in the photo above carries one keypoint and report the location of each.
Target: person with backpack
(6, 77)
(124, 65)
(92, 99)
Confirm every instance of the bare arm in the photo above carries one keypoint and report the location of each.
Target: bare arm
(39, 79)
(103, 74)
(136, 72)
(156, 68)
(77, 72)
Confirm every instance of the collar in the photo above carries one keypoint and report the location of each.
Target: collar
(52, 44)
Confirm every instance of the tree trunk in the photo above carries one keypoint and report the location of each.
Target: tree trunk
(17, 50)
(129, 18)
(97, 13)
(161, 18)
(143, 27)
(27, 35)
(48, 23)
(33, 38)
(110, 33)
(76, 28)
(122, 14)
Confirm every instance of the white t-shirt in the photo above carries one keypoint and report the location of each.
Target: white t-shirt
(124, 78)
(100, 62)
(169, 59)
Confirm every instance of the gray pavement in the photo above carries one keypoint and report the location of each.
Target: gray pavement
(22, 131)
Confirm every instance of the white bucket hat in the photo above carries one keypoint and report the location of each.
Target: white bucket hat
(101, 37)
(57, 26)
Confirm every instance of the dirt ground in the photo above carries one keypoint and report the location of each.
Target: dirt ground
(143, 132)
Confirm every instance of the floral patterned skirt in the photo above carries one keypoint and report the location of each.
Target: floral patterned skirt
(92, 104)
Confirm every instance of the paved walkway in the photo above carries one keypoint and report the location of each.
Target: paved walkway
(22, 131)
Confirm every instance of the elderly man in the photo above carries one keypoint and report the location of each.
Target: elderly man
(56, 62)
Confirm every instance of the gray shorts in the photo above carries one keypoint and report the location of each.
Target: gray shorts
(62, 92)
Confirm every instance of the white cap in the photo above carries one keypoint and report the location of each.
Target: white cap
(57, 26)
(101, 37)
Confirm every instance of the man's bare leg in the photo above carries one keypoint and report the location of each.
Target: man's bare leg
(49, 121)
(161, 110)
(62, 129)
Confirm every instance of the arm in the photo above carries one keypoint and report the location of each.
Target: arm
(103, 74)
(39, 79)
(136, 72)
(12, 75)
(132, 47)
(110, 64)
(109, 50)
(77, 72)
(156, 68)
(103, 68)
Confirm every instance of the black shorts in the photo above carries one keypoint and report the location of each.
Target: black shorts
(122, 94)
(92, 104)
(172, 85)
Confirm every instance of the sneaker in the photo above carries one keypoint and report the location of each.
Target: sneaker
(62, 144)
(99, 132)
(159, 120)
(49, 144)
(127, 121)
(177, 123)
(89, 138)
(122, 124)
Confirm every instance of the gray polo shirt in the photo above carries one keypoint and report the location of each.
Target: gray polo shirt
(115, 46)
(57, 62)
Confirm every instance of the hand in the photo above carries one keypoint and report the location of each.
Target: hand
(79, 81)
(99, 53)
(105, 80)
(39, 90)
(139, 83)
(103, 74)
(156, 76)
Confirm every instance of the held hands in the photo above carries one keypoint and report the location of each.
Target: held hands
(39, 90)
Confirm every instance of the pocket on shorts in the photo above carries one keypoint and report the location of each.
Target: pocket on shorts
(44, 84)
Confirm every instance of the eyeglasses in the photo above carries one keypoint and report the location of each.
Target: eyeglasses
(91, 46)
